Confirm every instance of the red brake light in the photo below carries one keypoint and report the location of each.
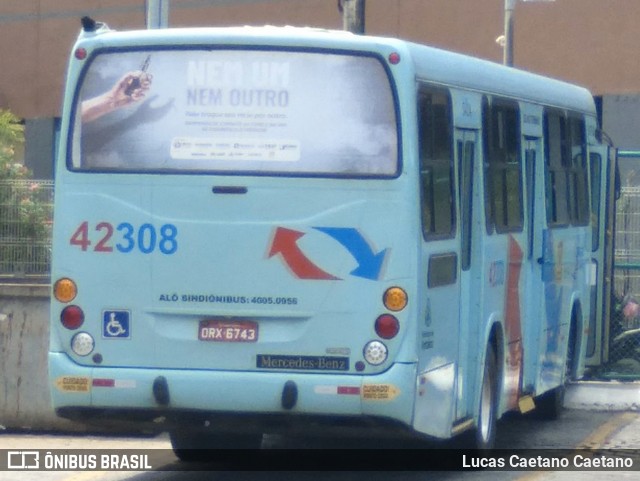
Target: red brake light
(72, 317)
(387, 326)
(80, 53)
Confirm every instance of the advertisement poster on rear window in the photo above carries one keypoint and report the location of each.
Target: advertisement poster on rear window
(247, 111)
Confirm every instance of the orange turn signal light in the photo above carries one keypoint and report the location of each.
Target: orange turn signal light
(65, 290)
(395, 299)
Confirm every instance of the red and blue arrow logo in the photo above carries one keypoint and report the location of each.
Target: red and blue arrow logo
(285, 243)
(370, 263)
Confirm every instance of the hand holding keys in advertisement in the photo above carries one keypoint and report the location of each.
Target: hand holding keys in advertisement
(130, 88)
(138, 82)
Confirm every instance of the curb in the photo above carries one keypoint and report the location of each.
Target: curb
(603, 396)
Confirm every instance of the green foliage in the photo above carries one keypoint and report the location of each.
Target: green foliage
(11, 136)
(25, 207)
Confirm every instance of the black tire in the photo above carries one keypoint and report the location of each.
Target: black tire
(203, 446)
(550, 404)
(485, 431)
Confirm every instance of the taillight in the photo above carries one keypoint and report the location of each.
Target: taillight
(72, 317)
(395, 299)
(82, 343)
(387, 326)
(375, 353)
(65, 290)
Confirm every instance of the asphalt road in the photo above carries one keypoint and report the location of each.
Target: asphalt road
(614, 431)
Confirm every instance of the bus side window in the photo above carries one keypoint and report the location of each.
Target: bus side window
(596, 165)
(530, 169)
(556, 188)
(436, 164)
(577, 166)
(466, 152)
(503, 184)
(567, 190)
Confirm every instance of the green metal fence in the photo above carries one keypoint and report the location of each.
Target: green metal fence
(26, 213)
(624, 327)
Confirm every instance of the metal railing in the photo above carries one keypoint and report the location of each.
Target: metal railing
(26, 214)
(624, 321)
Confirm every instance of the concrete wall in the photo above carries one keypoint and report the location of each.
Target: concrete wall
(40, 141)
(621, 121)
(24, 345)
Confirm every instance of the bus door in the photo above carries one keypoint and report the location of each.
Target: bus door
(535, 226)
(547, 264)
(466, 145)
(604, 192)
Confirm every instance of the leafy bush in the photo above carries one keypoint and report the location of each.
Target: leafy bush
(25, 208)
(11, 136)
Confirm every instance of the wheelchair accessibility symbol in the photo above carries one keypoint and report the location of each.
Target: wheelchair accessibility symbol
(116, 325)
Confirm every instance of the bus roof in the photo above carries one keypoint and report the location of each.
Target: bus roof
(462, 71)
(431, 64)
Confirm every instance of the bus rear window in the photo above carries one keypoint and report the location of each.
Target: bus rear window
(235, 111)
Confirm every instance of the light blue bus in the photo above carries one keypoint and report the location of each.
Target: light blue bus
(282, 229)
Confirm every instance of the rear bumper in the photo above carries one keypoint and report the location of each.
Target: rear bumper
(230, 396)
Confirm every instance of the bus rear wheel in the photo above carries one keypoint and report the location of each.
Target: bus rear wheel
(485, 432)
(203, 446)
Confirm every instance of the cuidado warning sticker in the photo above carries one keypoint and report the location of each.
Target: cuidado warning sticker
(380, 392)
(73, 384)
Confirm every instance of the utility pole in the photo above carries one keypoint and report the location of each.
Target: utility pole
(352, 15)
(507, 57)
(509, 6)
(157, 13)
